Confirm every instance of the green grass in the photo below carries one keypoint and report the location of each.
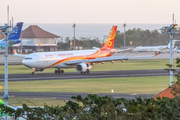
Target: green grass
(127, 65)
(17, 101)
(132, 85)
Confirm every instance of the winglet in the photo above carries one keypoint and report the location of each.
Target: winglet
(157, 54)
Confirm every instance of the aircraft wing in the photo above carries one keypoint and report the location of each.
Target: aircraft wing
(122, 50)
(19, 55)
(105, 59)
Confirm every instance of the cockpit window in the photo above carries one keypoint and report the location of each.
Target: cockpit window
(27, 58)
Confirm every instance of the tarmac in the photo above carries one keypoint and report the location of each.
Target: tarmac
(68, 95)
(94, 74)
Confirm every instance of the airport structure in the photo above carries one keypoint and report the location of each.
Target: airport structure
(1, 36)
(6, 31)
(76, 46)
(172, 31)
(35, 39)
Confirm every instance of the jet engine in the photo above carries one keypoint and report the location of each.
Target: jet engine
(83, 67)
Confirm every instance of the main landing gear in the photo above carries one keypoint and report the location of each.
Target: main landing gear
(59, 71)
(87, 72)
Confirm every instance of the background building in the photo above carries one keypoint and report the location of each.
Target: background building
(35, 39)
(1, 36)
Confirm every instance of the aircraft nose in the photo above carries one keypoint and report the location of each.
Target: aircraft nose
(24, 62)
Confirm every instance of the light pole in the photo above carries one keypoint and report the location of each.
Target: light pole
(6, 96)
(21, 42)
(74, 25)
(172, 31)
(124, 25)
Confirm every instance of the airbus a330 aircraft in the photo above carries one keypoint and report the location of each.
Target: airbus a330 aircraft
(82, 60)
(154, 48)
(13, 36)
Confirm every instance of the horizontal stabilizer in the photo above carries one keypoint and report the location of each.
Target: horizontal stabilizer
(19, 55)
(95, 48)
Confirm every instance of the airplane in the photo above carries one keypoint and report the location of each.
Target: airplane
(176, 49)
(82, 60)
(154, 48)
(13, 36)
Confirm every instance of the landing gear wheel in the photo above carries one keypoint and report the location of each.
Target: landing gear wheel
(59, 71)
(56, 72)
(62, 71)
(33, 73)
(87, 71)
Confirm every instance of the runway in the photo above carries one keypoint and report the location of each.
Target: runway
(94, 74)
(67, 95)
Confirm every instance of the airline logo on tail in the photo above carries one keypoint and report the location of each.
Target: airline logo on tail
(16, 32)
(13, 36)
(109, 44)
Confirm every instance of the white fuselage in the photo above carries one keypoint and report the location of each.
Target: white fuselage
(47, 59)
(150, 48)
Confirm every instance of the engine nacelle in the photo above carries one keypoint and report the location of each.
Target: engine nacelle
(83, 67)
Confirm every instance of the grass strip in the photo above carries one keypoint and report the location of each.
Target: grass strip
(118, 65)
(18, 101)
(132, 85)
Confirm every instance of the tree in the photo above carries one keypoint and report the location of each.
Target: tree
(102, 108)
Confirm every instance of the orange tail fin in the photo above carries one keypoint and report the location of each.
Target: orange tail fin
(109, 44)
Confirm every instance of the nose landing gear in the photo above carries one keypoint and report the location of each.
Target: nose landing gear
(59, 71)
(33, 71)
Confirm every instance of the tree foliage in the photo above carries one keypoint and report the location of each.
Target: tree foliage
(102, 108)
(138, 37)
(175, 88)
(86, 43)
(141, 37)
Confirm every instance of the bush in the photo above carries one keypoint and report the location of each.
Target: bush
(102, 108)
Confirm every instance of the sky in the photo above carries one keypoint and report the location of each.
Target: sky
(91, 11)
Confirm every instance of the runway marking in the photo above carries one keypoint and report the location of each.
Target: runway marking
(86, 77)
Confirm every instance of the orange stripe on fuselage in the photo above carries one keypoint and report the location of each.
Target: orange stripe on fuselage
(99, 53)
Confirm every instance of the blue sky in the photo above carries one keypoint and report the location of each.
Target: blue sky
(91, 11)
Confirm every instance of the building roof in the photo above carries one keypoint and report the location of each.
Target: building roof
(34, 31)
(167, 93)
(1, 36)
